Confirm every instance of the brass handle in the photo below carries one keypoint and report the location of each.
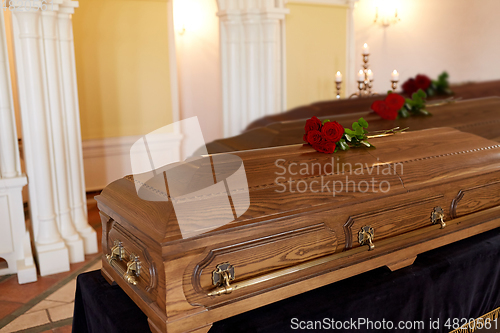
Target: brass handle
(133, 266)
(221, 277)
(365, 237)
(437, 216)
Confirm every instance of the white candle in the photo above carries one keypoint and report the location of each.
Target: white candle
(370, 75)
(395, 75)
(366, 49)
(338, 77)
(361, 75)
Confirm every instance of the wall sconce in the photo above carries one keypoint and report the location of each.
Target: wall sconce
(386, 13)
(188, 16)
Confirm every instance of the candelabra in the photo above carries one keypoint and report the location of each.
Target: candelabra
(365, 78)
(339, 88)
(394, 84)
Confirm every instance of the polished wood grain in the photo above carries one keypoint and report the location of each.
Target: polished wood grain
(289, 241)
(468, 90)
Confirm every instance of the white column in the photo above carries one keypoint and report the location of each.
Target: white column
(349, 79)
(15, 246)
(234, 108)
(252, 67)
(73, 132)
(272, 64)
(252, 59)
(57, 117)
(9, 151)
(52, 253)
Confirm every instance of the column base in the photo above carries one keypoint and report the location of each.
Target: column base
(14, 239)
(11, 268)
(25, 274)
(52, 258)
(89, 237)
(76, 249)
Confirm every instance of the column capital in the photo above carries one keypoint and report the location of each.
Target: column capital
(67, 6)
(28, 23)
(251, 7)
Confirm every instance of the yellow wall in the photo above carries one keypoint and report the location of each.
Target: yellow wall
(315, 51)
(122, 63)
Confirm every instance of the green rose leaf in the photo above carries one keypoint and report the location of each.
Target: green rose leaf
(363, 123)
(359, 131)
(349, 131)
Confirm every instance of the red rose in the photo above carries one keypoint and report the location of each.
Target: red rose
(383, 110)
(409, 87)
(422, 82)
(332, 131)
(395, 101)
(314, 137)
(313, 124)
(325, 146)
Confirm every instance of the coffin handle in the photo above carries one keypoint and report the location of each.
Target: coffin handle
(221, 277)
(365, 237)
(133, 266)
(437, 216)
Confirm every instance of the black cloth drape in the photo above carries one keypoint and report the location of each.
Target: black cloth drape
(446, 285)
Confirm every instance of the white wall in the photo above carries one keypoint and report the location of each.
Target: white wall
(459, 36)
(198, 61)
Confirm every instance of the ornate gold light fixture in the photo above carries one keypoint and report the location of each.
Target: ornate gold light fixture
(386, 13)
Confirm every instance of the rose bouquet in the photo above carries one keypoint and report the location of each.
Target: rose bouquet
(395, 105)
(329, 136)
(440, 86)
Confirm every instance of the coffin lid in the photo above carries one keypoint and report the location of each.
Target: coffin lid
(411, 161)
(478, 116)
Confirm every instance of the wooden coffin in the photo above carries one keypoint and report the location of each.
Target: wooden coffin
(440, 186)
(468, 90)
(477, 116)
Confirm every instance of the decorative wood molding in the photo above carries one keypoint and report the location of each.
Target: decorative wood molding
(490, 199)
(320, 233)
(138, 248)
(454, 203)
(392, 211)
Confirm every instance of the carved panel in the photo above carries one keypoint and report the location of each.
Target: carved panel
(389, 222)
(148, 278)
(474, 199)
(269, 253)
